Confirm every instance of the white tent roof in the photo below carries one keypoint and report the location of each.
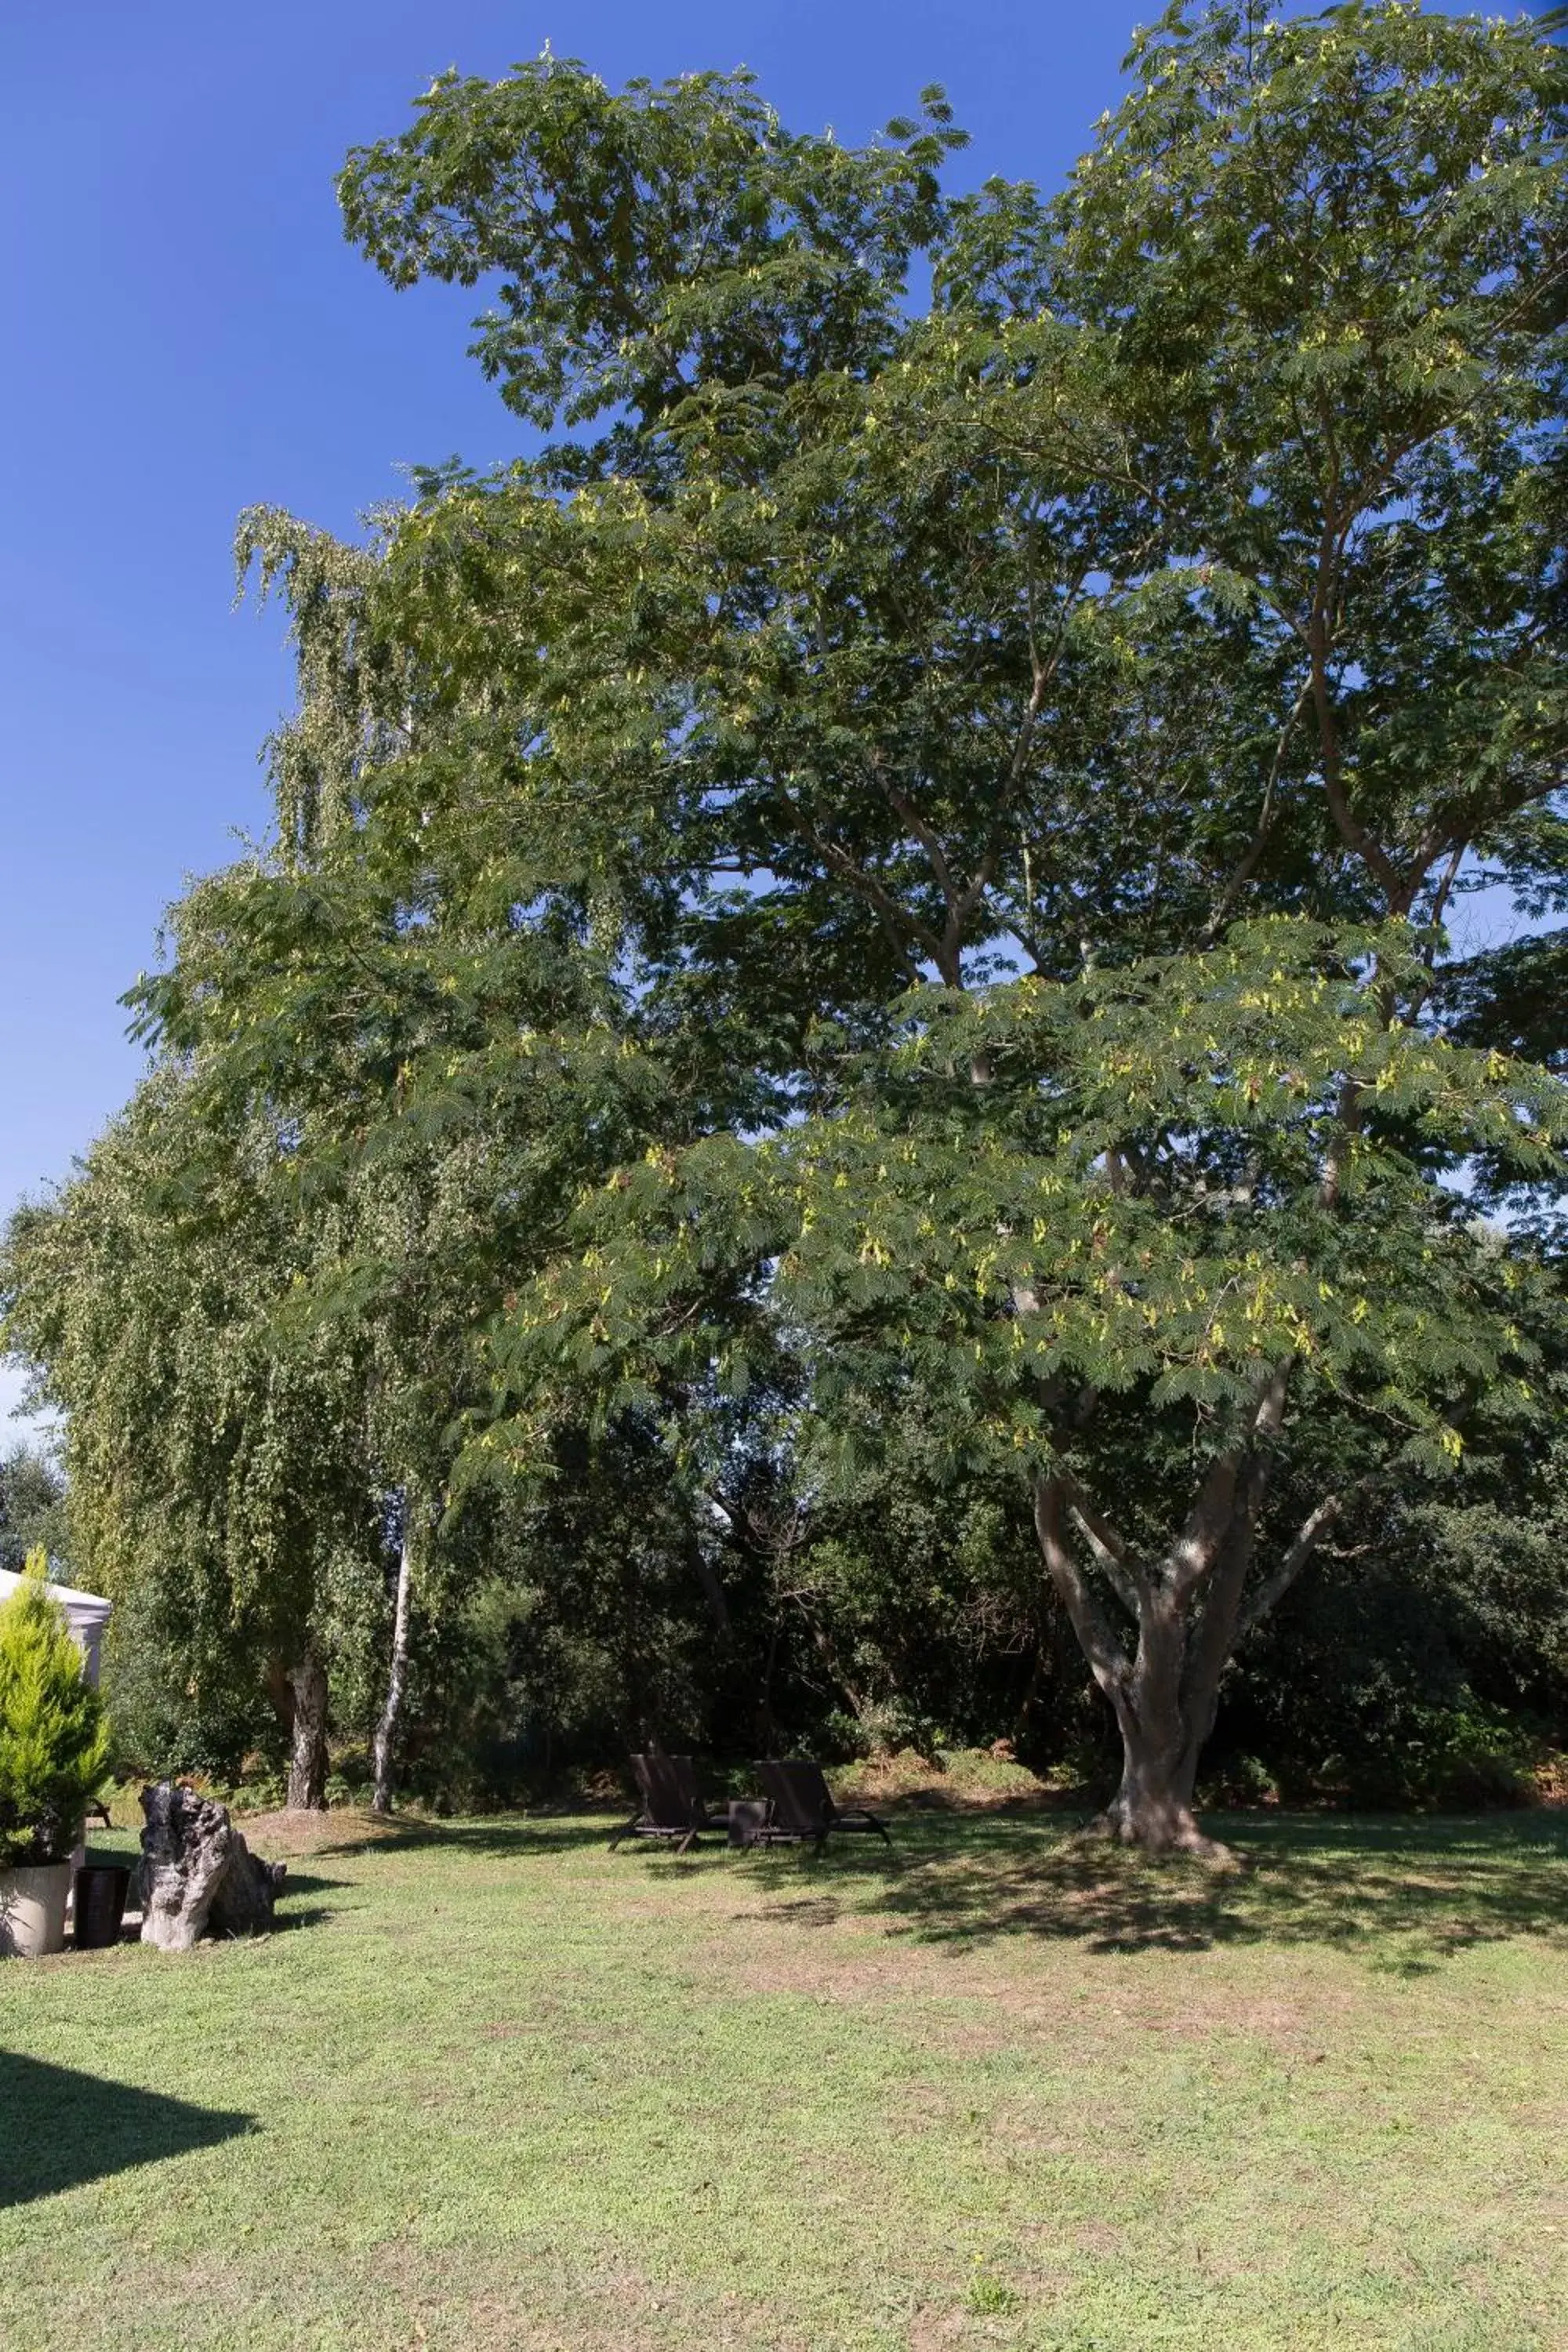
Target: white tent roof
(87, 1614)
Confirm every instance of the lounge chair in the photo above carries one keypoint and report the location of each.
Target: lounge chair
(801, 1805)
(672, 1806)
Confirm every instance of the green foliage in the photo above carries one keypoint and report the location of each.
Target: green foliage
(673, 230)
(868, 926)
(215, 1461)
(53, 1743)
(1326, 249)
(33, 1515)
(1134, 1199)
(178, 1703)
(1371, 1690)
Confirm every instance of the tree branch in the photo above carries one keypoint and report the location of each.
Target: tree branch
(1125, 1574)
(1108, 1660)
(1304, 1544)
(1259, 843)
(890, 913)
(1208, 1523)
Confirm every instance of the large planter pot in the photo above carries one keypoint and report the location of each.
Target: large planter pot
(33, 1909)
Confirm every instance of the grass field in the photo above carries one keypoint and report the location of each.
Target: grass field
(492, 2087)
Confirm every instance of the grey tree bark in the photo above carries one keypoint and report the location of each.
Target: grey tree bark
(1187, 1612)
(308, 1732)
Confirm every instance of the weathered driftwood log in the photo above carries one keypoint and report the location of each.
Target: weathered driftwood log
(197, 1873)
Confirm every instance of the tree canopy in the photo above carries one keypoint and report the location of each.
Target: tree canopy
(895, 871)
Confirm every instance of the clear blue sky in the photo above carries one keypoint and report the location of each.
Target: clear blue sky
(186, 333)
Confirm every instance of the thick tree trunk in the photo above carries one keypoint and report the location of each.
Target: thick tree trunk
(1153, 1806)
(1164, 1730)
(1187, 1613)
(1165, 1708)
(308, 1732)
(385, 1748)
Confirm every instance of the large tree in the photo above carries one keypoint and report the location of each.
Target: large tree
(1197, 550)
(1191, 549)
(1147, 1266)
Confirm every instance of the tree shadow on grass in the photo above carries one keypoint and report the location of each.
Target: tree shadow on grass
(503, 1838)
(1406, 1894)
(60, 2129)
(293, 1913)
(306, 1883)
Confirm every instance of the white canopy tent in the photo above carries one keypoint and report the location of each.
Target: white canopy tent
(87, 1614)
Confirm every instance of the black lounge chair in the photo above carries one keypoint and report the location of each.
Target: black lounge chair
(800, 1806)
(672, 1806)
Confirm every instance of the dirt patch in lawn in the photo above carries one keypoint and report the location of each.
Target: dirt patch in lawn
(960, 1779)
(279, 1836)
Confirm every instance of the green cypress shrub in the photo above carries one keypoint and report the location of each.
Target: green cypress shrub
(54, 1743)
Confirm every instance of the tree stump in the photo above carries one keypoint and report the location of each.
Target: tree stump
(198, 1875)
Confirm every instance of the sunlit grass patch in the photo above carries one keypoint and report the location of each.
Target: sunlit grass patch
(499, 2087)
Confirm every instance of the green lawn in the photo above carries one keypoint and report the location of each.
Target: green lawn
(493, 2087)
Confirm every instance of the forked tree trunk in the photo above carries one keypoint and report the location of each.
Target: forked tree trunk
(1152, 1807)
(1187, 1610)
(308, 1732)
(384, 1751)
(1165, 1709)
(1163, 1729)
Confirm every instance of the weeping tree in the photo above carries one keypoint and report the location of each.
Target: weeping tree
(213, 1470)
(433, 1072)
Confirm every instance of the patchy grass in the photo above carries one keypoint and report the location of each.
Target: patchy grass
(493, 2087)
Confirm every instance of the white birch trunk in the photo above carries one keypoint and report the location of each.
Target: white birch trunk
(384, 1749)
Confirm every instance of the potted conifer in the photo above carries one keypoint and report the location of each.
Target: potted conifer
(53, 1750)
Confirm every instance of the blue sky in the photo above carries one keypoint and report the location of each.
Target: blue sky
(187, 333)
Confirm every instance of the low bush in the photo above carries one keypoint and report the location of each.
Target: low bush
(54, 1749)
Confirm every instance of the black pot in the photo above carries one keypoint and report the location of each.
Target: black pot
(101, 1890)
